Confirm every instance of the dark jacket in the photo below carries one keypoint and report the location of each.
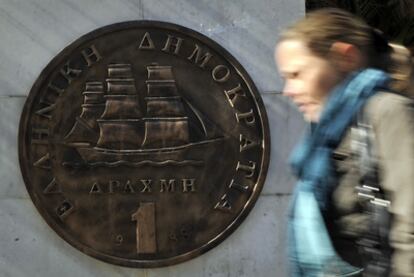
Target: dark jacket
(392, 119)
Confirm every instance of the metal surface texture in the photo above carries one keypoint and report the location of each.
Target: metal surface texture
(144, 144)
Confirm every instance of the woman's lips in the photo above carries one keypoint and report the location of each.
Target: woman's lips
(302, 106)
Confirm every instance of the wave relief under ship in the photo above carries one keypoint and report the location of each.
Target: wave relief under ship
(123, 126)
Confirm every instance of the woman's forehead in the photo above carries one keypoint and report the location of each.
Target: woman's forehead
(292, 48)
(291, 54)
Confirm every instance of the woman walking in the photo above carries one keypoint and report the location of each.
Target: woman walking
(352, 213)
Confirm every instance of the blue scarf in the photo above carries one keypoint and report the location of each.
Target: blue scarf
(310, 248)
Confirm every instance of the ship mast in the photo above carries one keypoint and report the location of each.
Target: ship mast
(165, 123)
(86, 130)
(121, 125)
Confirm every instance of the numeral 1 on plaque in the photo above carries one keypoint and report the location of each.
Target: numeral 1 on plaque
(145, 230)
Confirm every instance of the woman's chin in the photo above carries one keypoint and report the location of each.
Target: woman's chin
(311, 117)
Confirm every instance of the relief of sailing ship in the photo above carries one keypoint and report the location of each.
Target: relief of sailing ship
(119, 125)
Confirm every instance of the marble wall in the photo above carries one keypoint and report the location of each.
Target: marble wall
(33, 32)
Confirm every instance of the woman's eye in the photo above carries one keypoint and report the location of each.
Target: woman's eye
(292, 75)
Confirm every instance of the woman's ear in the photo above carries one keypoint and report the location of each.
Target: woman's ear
(346, 56)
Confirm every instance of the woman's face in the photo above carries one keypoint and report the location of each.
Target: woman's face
(308, 78)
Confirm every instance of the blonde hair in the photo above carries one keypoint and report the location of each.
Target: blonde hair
(321, 28)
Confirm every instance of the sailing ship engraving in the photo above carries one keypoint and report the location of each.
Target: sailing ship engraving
(120, 126)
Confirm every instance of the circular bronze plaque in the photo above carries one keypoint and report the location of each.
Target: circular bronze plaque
(144, 144)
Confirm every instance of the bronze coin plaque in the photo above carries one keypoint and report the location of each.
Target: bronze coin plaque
(144, 144)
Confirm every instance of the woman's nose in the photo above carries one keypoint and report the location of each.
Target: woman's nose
(288, 90)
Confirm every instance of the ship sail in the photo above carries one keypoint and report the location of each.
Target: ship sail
(165, 123)
(86, 129)
(121, 124)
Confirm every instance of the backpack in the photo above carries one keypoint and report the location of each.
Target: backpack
(374, 246)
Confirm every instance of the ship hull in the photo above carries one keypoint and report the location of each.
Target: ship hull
(193, 151)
